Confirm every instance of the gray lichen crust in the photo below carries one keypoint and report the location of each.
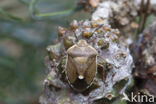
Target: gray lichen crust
(114, 64)
(121, 10)
(120, 14)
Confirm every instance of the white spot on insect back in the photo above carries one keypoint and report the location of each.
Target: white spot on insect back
(81, 77)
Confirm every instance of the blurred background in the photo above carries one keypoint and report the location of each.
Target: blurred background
(23, 39)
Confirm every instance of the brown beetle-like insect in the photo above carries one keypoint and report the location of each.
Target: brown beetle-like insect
(81, 65)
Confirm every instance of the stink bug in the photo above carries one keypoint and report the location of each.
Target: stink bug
(81, 65)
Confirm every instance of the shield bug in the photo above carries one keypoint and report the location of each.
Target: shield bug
(81, 65)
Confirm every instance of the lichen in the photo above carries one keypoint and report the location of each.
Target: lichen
(114, 65)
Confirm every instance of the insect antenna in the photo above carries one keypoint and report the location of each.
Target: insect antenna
(97, 28)
(76, 36)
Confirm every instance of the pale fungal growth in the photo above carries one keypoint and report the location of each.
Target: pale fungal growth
(121, 10)
(119, 14)
(90, 67)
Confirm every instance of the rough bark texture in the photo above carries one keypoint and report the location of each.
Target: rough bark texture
(145, 71)
(114, 60)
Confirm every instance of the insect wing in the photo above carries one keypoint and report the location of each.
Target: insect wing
(71, 70)
(91, 71)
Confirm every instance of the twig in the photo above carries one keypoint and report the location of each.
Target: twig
(143, 16)
(35, 15)
(10, 16)
(146, 14)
